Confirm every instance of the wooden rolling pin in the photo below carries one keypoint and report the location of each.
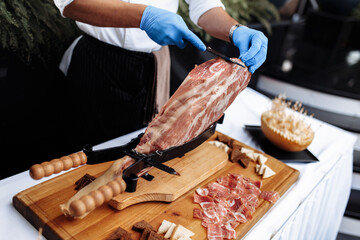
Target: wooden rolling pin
(45, 169)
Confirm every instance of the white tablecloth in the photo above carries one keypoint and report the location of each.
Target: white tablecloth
(311, 209)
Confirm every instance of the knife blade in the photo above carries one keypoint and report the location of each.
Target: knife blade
(209, 49)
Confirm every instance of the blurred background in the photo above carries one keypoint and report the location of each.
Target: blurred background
(313, 57)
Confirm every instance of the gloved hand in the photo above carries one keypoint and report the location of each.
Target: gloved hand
(252, 45)
(167, 28)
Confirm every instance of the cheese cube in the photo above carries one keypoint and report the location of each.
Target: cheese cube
(181, 231)
(169, 232)
(164, 227)
(268, 172)
(257, 168)
(246, 150)
(262, 169)
(261, 159)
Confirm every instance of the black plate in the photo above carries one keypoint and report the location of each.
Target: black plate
(304, 156)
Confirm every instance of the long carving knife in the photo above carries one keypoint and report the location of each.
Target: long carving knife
(209, 49)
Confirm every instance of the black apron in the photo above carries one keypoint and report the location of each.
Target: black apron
(110, 91)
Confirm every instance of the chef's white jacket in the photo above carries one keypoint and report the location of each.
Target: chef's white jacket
(134, 39)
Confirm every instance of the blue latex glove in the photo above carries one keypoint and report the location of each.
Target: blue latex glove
(167, 28)
(252, 45)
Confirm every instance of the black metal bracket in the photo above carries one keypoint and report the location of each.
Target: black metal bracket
(155, 159)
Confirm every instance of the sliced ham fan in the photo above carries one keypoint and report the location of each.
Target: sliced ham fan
(226, 203)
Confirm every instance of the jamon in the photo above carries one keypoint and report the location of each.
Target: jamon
(226, 203)
(199, 101)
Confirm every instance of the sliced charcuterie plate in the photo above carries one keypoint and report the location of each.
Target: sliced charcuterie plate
(40, 204)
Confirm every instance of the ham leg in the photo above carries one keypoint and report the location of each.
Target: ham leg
(199, 101)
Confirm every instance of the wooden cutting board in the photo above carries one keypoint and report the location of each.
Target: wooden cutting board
(40, 204)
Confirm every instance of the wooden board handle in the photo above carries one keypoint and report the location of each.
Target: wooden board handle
(45, 169)
(81, 207)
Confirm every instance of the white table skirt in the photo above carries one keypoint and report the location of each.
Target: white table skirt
(311, 209)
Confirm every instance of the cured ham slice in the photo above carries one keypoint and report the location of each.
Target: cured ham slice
(270, 196)
(214, 232)
(200, 101)
(228, 202)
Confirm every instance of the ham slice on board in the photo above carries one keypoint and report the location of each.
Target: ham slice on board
(200, 101)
